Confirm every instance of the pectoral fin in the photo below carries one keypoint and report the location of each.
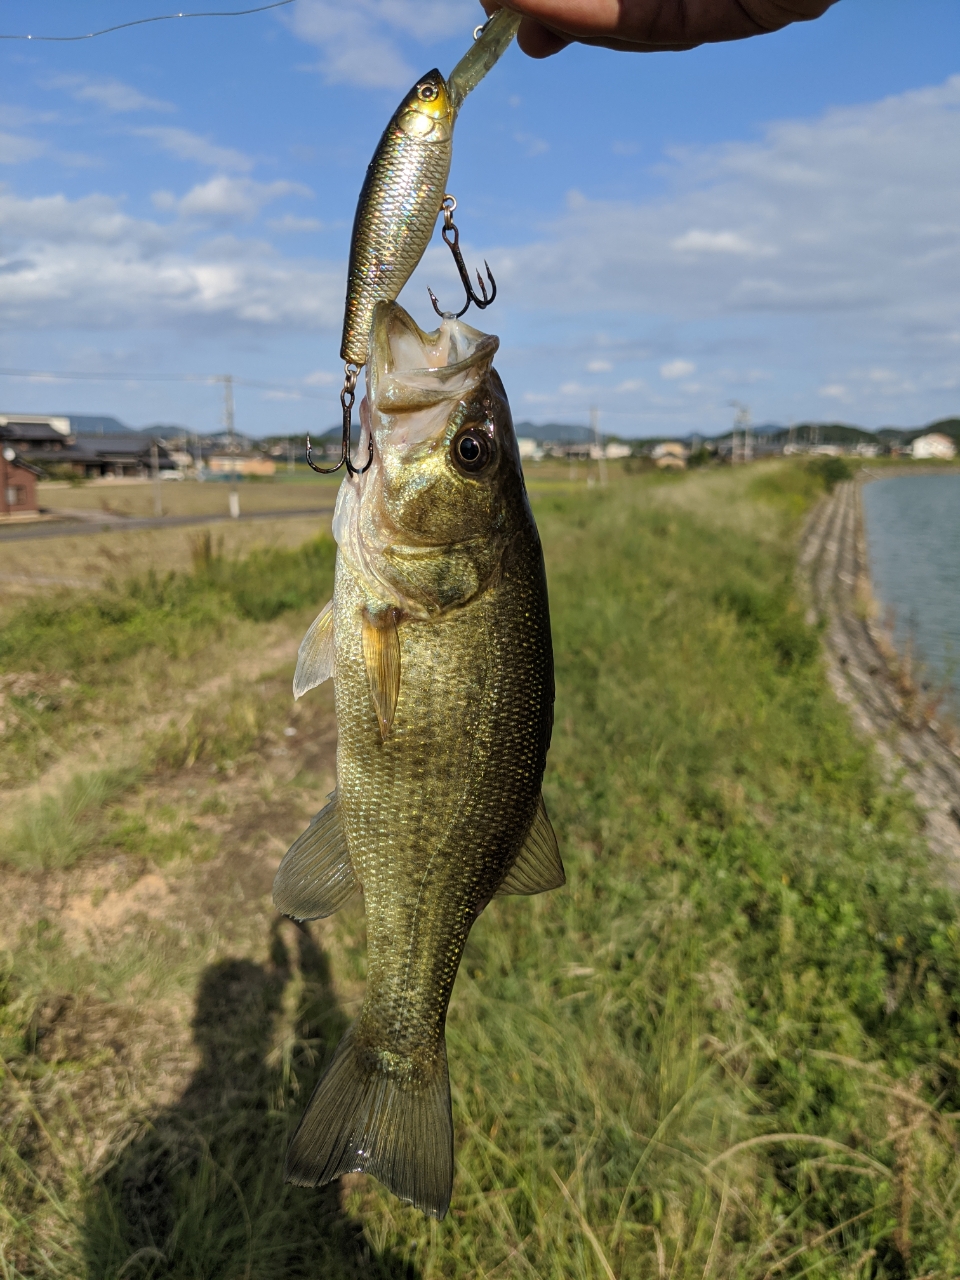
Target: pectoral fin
(381, 656)
(316, 656)
(538, 866)
(316, 876)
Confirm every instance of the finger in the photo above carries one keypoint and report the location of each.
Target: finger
(576, 17)
(538, 41)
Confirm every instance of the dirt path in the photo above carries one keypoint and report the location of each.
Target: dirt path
(862, 668)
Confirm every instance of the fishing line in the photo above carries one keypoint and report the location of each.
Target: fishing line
(163, 17)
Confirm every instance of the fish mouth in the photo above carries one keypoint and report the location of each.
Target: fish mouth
(411, 370)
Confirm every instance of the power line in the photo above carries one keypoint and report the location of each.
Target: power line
(163, 17)
(46, 375)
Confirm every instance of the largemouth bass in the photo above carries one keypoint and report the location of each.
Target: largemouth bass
(406, 182)
(438, 641)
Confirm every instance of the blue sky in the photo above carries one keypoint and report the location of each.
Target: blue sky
(773, 221)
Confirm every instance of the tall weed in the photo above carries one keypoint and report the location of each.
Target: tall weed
(171, 614)
(59, 829)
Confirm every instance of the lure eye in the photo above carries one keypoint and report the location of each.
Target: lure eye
(427, 92)
(471, 451)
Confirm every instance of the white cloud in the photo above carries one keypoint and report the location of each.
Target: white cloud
(674, 369)
(632, 384)
(532, 145)
(223, 197)
(113, 95)
(190, 146)
(290, 223)
(320, 378)
(825, 249)
(599, 366)
(854, 211)
(696, 241)
(570, 389)
(17, 150)
(85, 263)
(359, 40)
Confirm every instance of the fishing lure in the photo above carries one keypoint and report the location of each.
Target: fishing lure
(403, 192)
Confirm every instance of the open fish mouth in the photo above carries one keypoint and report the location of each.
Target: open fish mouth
(423, 527)
(413, 372)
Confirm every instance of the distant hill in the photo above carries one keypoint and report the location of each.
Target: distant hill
(946, 426)
(168, 430)
(82, 424)
(824, 433)
(558, 432)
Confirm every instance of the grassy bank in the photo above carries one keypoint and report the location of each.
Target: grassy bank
(73, 661)
(728, 1048)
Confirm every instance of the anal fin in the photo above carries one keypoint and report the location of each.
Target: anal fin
(538, 867)
(381, 657)
(315, 657)
(316, 876)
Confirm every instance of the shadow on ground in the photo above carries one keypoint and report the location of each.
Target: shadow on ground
(197, 1190)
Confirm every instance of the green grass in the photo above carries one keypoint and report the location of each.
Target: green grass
(728, 1048)
(168, 615)
(108, 655)
(59, 829)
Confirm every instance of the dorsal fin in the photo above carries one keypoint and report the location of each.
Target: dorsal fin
(538, 866)
(316, 654)
(316, 876)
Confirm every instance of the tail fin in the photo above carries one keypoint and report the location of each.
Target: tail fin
(362, 1120)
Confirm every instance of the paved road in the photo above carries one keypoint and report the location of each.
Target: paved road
(76, 529)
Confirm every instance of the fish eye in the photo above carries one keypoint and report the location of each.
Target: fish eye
(427, 92)
(471, 451)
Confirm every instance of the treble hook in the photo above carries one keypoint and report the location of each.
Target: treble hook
(451, 238)
(347, 397)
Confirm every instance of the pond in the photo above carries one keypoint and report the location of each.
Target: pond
(913, 538)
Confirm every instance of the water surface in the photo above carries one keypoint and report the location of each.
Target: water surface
(913, 537)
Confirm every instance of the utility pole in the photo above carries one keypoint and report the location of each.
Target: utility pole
(291, 465)
(227, 380)
(155, 469)
(8, 456)
(741, 423)
(598, 442)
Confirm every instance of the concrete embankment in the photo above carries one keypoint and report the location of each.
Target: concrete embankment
(868, 676)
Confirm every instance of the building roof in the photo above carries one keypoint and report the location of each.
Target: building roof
(124, 449)
(36, 432)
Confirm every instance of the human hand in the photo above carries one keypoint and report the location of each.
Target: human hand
(646, 26)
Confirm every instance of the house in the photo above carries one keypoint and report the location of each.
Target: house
(670, 455)
(934, 445)
(118, 456)
(240, 464)
(37, 438)
(48, 441)
(18, 484)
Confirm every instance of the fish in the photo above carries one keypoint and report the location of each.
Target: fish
(405, 185)
(438, 642)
